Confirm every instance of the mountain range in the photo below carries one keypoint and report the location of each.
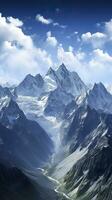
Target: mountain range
(57, 123)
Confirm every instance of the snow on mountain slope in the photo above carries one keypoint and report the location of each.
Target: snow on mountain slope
(65, 165)
(100, 99)
(51, 80)
(34, 110)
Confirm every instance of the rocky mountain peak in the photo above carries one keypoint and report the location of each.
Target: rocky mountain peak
(99, 98)
(50, 71)
(62, 70)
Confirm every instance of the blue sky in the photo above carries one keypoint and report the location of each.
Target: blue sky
(36, 35)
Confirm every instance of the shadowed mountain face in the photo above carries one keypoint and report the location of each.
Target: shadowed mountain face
(24, 148)
(24, 140)
(14, 184)
(30, 86)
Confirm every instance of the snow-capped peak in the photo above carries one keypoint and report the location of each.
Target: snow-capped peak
(62, 78)
(30, 86)
(70, 81)
(100, 99)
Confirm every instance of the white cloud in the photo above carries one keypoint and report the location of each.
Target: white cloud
(81, 55)
(70, 48)
(14, 34)
(47, 21)
(102, 56)
(51, 40)
(59, 25)
(76, 32)
(15, 21)
(97, 39)
(100, 66)
(108, 28)
(67, 57)
(18, 54)
(43, 20)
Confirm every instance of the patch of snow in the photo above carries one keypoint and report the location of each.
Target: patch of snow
(64, 166)
(80, 98)
(50, 84)
(74, 192)
(84, 115)
(105, 132)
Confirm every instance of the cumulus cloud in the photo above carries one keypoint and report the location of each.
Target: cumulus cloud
(67, 57)
(47, 21)
(15, 21)
(51, 40)
(100, 66)
(70, 48)
(97, 39)
(43, 20)
(18, 54)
